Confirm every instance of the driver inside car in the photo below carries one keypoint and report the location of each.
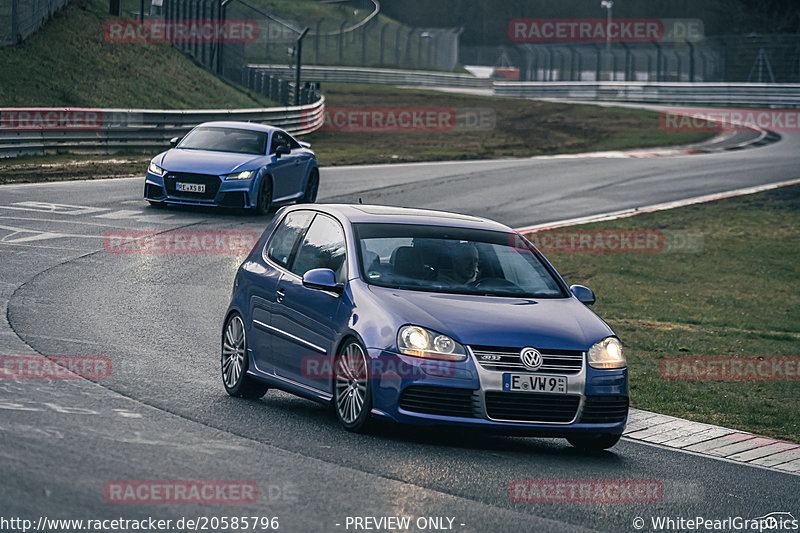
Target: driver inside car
(465, 261)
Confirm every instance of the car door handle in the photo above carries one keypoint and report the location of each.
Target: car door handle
(280, 295)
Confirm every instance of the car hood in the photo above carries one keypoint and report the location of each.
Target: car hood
(554, 323)
(207, 162)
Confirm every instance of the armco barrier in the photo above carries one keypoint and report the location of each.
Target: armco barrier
(141, 129)
(723, 94)
(737, 94)
(376, 75)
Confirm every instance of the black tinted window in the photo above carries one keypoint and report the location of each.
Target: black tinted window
(283, 243)
(453, 260)
(323, 247)
(226, 140)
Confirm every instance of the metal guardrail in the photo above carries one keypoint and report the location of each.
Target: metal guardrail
(747, 94)
(376, 75)
(113, 130)
(725, 94)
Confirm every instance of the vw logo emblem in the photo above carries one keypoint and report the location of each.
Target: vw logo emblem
(531, 358)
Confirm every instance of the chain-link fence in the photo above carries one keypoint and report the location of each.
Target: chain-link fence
(20, 18)
(248, 33)
(735, 58)
(357, 37)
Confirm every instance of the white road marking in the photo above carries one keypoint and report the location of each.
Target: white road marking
(142, 216)
(624, 213)
(38, 235)
(47, 207)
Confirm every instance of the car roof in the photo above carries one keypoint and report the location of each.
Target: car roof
(382, 214)
(252, 126)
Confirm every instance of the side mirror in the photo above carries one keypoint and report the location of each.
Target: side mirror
(322, 279)
(174, 141)
(282, 149)
(583, 294)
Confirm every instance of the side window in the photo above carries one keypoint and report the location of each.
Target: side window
(278, 137)
(323, 247)
(283, 243)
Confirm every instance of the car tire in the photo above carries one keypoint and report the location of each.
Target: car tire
(312, 188)
(234, 361)
(352, 390)
(264, 200)
(593, 442)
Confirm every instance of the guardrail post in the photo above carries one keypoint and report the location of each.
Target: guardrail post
(597, 63)
(383, 33)
(658, 61)
(14, 23)
(316, 40)
(407, 54)
(364, 44)
(299, 52)
(397, 46)
(341, 41)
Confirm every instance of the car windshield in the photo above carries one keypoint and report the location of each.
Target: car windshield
(226, 140)
(453, 260)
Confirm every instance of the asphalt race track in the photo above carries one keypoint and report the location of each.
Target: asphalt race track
(163, 414)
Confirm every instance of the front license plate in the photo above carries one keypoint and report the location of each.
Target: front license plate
(191, 187)
(535, 383)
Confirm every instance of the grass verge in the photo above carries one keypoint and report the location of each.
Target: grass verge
(522, 128)
(736, 298)
(69, 63)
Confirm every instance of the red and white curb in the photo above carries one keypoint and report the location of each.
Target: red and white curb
(686, 436)
(713, 441)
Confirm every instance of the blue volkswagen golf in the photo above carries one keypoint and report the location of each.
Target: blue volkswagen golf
(422, 317)
(233, 164)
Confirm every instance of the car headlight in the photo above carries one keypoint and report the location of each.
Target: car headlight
(155, 169)
(422, 342)
(607, 354)
(245, 174)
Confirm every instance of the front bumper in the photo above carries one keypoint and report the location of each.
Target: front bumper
(415, 391)
(219, 192)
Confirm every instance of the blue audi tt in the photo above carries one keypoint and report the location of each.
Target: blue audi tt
(233, 164)
(422, 317)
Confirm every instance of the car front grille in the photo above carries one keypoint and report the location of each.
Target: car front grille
(531, 407)
(503, 359)
(444, 401)
(212, 184)
(604, 409)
